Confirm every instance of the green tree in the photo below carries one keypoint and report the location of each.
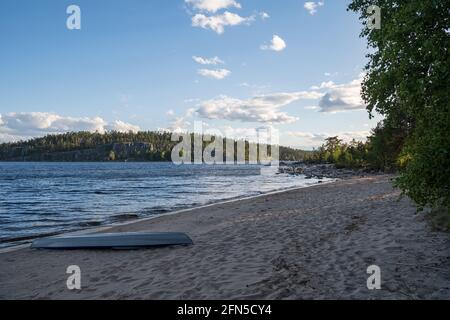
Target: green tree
(407, 81)
(332, 144)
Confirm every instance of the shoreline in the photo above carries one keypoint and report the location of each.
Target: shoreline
(306, 243)
(107, 226)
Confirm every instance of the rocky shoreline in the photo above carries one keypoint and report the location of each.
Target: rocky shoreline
(320, 171)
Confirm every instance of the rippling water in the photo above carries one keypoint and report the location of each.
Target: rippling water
(46, 198)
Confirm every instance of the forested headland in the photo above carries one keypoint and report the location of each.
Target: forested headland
(112, 146)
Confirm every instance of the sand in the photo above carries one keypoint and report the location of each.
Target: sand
(310, 243)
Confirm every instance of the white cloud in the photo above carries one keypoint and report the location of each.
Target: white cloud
(208, 61)
(239, 133)
(339, 97)
(342, 97)
(213, 5)
(181, 124)
(263, 108)
(324, 85)
(24, 125)
(255, 87)
(218, 22)
(190, 112)
(118, 125)
(264, 15)
(277, 44)
(309, 139)
(311, 108)
(218, 74)
(312, 6)
(348, 136)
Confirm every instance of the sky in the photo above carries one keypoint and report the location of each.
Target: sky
(135, 65)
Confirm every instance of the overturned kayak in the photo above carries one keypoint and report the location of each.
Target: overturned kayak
(129, 240)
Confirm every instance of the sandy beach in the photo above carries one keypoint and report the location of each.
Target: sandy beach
(310, 243)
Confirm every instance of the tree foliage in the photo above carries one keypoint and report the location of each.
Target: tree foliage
(407, 81)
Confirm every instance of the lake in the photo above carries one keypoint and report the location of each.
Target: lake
(38, 199)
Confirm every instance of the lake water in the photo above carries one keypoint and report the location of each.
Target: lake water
(39, 199)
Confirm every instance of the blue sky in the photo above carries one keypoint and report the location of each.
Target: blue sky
(131, 66)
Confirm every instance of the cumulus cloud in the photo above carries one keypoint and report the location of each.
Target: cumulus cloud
(324, 85)
(339, 97)
(218, 22)
(277, 44)
(263, 108)
(208, 61)
(213, 5)
(312, 6)
(311, 108)
(309, 139)
(118, 125)
(180, 123)
(218, 74)
(24, 125)
(344, 97)
(264, 15)
(257, 88)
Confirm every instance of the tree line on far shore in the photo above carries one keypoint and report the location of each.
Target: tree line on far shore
(116, 146)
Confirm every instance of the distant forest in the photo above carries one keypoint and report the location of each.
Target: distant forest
(110, 146)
